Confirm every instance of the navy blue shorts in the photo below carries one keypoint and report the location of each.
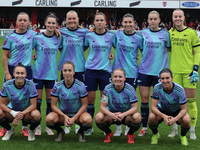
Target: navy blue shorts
(132, 81)
(28, 70)
(47, 83)
(174, 114)
(147, 80)
(93, 78)
(77, 75)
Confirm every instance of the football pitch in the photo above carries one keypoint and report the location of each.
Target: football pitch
(95, 141)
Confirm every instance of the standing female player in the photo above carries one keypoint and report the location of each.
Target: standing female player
(73, 48)
(119, 104)
(19, 44)
(98, 65)
(185, 56)
(154, 59)
(126, 51)
(45, 72)
(22, 95)
(71, 96)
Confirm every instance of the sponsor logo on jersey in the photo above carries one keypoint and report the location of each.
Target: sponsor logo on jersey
(185, 35)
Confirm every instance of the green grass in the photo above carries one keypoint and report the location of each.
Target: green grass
(95, 141)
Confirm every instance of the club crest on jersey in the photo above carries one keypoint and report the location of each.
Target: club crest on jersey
(164, 4)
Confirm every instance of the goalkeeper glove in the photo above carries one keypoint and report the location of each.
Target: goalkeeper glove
(194, 75)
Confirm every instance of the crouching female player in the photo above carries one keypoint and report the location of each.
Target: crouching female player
(119, 104)
(168, 104)
(71, 96)
(22, 95)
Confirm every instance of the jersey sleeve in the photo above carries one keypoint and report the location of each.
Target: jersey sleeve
(133, 96)
(168, 42)
(104, 97)
(86, 41)
(3, 92)
(155, 93)
(6, 43)
(33, 91)
(182, 97)
(196, 47)
(34, 42)
(83, 91)
(55, 91)
(141, 43)
(195, 39)
(60, 44)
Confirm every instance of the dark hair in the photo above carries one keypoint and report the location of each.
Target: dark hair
(23, 13)
(100, 13)
(51, 15)
(128, 15)
(166, 70)
(120, 69)
(19, 65)
(69, 62)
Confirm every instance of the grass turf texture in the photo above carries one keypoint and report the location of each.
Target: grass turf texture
(95, 141)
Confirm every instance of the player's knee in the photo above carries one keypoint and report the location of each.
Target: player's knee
(152, 118)
(99, 117)
(87, 120)
(186, 120)
(49, 119)
(137, 118)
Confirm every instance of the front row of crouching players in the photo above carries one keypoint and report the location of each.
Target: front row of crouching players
(71, 96)
(168, 104)
(22, 95)
(119, 104)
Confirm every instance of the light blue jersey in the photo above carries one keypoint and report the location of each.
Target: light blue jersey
(69, 99)
(73, 48)
(126, 51)
(119, 101)
(20, 46)
(154, 53)
(169, 102)
(19, 98)
(100, 48)
(45, 65)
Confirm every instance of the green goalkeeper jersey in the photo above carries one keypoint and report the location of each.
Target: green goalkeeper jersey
(182, 46)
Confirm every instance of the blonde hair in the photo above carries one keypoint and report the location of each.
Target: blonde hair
(72, 11)
(173, 28)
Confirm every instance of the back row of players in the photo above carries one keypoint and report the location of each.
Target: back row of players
(153, 44)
